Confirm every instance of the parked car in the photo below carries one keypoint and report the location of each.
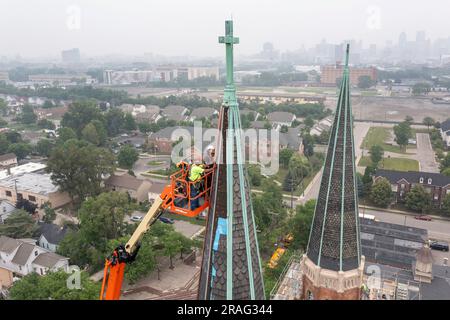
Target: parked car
(423, 217)
(136, 218)
(166, 220)
(439, 245)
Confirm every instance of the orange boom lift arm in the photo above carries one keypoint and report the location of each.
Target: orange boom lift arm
(123, 254)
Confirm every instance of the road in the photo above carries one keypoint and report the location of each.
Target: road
(359, 132)
(142, 165)
(425, 153)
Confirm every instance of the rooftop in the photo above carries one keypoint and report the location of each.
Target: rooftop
(52, 232)
(25, 168)
(280, 116)
(124, 181)
(445, 126)
(437, 179)
(203, 112)
(8, 245)
(391, 244)
(48, 259)
(7, 156)
(38, 183)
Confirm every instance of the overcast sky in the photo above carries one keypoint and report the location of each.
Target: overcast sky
(177, 27)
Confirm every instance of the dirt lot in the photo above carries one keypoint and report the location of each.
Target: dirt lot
(396, 109)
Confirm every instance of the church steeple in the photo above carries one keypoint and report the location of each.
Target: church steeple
(334, 241)
(231, 266)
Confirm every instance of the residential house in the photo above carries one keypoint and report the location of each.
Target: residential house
(445, 132)
(323, 125)
(6, 208)
(136, 188)
(55, 113)
(281, 118)
(35, 187)
(8, 160)
(176, 113)
(143, 113)
(6, 279)
(203, 112)
(155, 191)
(22, 258)
(292, 140)
(51, 235)
(162, 139)
(436, 184)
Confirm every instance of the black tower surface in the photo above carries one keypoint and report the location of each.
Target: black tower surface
(334, 241)
(231, 268)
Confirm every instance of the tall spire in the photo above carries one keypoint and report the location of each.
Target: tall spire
(231, 267)
(229, 97)
(334, 241)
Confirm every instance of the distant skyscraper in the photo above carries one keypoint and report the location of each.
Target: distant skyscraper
(71, 56)
(420, 36)
(269, 51)
(402, 40)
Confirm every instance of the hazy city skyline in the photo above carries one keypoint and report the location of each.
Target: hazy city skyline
(175, 27)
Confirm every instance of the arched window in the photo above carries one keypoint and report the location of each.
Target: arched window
(421, 180)
(309, 295)
(430, 181)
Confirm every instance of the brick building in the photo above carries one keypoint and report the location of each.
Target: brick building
(436, 184)
(330, 74)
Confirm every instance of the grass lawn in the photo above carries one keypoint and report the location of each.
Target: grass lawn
(378, 136)
(280, 176)
(397, 164)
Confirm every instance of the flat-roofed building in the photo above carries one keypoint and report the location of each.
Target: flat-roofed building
(330, 74)
(191, 73)
(37, 188)
(278, 98)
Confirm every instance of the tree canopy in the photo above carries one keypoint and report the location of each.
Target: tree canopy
(77, 167)
(53, 286)
(376, 154)
(381, 193)
(417, 199)
(127, 156)
(20, 224)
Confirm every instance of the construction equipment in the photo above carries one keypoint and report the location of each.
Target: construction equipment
(176, 198)
(279, 252)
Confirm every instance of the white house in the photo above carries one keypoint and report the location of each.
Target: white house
(50, 236)
(445, 132)
(6, 208)
(323, 125)
(23, 258)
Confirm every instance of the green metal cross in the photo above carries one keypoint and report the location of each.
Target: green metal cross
(229, 40)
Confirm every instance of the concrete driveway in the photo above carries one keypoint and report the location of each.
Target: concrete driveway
(425, 153)
(359, 132)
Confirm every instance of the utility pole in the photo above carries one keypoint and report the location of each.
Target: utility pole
(292, 193)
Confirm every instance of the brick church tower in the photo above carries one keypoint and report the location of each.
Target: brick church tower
(333, 265)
